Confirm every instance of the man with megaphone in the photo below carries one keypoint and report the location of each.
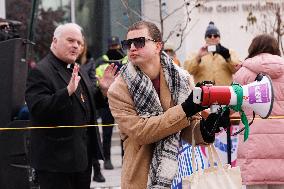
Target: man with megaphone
(151, 101)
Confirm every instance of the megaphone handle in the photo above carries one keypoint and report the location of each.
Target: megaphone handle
(214, 128)
(229, 145)
(214, 108)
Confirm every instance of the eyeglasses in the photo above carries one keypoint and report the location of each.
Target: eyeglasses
(212, 35)
(137, 42)
(168, 50)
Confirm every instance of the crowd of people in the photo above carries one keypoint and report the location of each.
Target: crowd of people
(140, 85)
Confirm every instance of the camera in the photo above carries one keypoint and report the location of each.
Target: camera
(9, 29)
(211, 48)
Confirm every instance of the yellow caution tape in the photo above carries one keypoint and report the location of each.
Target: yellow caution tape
(106, 125)
(56, 127)
(270, 117)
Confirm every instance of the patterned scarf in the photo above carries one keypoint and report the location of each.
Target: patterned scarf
(164, 163)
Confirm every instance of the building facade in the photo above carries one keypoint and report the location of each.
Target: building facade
(183, 23)
(100, 19)
(230, 16)
(2, 9)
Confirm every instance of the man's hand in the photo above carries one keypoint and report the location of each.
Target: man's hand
(74, 81)
(202, 51)
(108, 78)
(213, 123)
(190, 108)
(223, 51)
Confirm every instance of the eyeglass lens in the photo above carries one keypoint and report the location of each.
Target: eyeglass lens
(213, 35)
(137, 42)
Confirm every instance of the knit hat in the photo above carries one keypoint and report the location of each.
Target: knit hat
(212, 29)
(114, 40)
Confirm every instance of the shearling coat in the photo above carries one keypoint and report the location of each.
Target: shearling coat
(139, 134)
(212, 67)
(261, 157)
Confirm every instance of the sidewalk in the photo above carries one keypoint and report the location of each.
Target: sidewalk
(112, 176)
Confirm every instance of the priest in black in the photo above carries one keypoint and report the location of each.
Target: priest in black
(58, 93)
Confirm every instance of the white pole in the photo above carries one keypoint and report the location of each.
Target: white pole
(2, 9)
(73, 11)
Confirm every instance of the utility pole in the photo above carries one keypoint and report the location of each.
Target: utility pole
(2, 9)
(73, 20)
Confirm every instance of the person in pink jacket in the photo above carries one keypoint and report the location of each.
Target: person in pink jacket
(261, 157)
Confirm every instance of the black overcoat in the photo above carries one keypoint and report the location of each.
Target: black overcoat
(64, 149)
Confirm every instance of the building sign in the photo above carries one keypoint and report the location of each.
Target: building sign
(246, 7)
(2, 9)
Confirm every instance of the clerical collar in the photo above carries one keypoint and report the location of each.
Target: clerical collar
(61, 62)
(70, 66)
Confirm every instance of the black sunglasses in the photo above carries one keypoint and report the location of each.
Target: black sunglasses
(138, 42)
(212, 35)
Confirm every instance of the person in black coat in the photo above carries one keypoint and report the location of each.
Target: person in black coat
(58, 95)
(95, 69)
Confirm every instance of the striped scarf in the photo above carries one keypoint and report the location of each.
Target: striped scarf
(164, 165)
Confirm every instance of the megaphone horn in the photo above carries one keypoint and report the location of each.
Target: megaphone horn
(257, 95)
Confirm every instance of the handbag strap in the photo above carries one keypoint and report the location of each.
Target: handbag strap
(212, 153)
(193, 152)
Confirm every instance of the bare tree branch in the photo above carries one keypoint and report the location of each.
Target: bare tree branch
(142, 17)
(125, 4)
(123, 26)
(188, 19)
(270, 22)
(185, 35)
(174, 11)
(161, 18)
(180, 28)
(169, 36)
